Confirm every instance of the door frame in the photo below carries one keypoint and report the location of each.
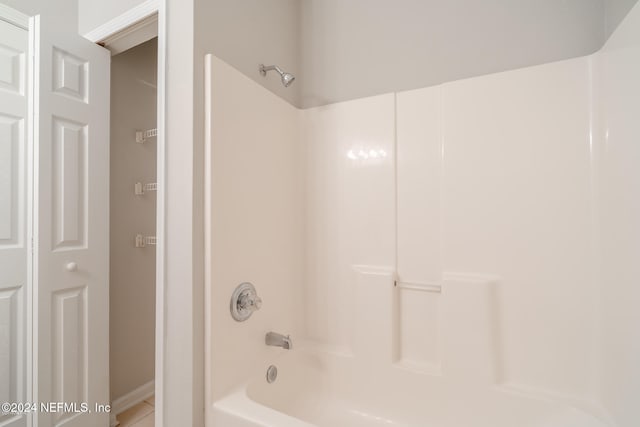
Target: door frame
(118, 25)
(14, 17)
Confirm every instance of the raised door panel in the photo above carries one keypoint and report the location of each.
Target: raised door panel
(70, 174)
(69, 349)
(11, 354)
(12, 180)
(12, 61)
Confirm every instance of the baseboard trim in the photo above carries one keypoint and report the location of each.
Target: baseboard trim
(131, 399)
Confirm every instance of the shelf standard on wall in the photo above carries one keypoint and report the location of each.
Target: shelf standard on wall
(143, 241)
(143, 135)
(140, 188)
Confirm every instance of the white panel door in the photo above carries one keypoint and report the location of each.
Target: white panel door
(14, 287)
(72, 226)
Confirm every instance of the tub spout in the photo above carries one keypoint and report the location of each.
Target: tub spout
(278, 340)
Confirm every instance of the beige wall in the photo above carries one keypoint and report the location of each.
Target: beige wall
(132, 311)
(245, 33)
(357, 48)
(345, 50)
(614, 12)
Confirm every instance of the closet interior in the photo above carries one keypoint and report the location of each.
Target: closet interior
(133, 231)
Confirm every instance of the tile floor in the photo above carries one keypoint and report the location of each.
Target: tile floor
(140, 415)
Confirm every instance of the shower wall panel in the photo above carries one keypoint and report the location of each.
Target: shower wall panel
(255, 221)
(350, 208)
(517, 203)
(620, 219)
(493, 181)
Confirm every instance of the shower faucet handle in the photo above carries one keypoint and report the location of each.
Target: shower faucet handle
(249, 301)
(244, 302)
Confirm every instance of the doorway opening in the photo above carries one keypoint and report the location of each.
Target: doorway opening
(133, 213)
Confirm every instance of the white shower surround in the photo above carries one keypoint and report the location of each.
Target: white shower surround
(509, 191)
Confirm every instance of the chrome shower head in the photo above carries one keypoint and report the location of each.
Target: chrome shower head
(287, 78)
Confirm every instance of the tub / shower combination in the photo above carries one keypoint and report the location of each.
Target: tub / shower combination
(452, 256)
(316, 388)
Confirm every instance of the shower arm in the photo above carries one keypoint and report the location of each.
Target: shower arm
(264, 69)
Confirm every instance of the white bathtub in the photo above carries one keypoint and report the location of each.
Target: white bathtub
(328, 390)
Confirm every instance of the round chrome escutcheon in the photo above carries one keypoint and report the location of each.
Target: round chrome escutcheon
(244, 302)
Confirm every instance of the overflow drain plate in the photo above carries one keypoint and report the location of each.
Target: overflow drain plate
(272, 374)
